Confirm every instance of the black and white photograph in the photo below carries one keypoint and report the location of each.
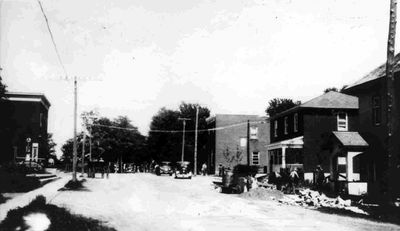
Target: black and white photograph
(199, 115)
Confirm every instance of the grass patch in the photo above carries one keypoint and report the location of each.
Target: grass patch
(60, 218)
(74, 186)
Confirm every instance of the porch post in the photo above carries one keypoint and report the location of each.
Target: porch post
(283, 157)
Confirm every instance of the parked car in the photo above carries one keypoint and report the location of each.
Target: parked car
(165, 168)
(183, 170)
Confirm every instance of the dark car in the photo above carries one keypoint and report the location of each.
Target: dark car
(164, 168)
(183, 170)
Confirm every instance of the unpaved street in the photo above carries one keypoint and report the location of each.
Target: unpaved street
(148, 202)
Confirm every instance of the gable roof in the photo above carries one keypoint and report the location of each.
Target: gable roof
(350, 139)
(377, 73)
(329, 100)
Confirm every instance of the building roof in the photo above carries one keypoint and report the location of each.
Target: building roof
(334, 100)
(28, 97)
(329, 100)
(350, 139)
(377, 73)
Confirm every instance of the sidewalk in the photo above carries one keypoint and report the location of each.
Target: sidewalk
(49, 191)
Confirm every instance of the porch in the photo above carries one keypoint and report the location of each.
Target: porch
(286, 154)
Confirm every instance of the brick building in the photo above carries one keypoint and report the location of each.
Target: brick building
(227, 144)
(371, 91)
(23, 126)
(322, 131)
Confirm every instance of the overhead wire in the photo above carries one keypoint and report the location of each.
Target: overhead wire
(52, 39)
(180, 131)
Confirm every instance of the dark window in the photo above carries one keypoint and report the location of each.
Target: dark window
(286, 125)
(41, 120)
(296, 122)
(376, 110)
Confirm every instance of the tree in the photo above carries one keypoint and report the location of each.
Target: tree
(166, 146)
(330, 89)
(233, 157)
(114, 140)
(335, 89)
(50, 147)
(2, 88)
(278, 105)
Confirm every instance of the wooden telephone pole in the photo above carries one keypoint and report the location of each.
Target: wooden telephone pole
(183, 137)
(75, 153)
(392, 123)
(195, 141)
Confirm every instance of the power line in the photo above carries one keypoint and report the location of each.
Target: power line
(179, 131)
(52, 39)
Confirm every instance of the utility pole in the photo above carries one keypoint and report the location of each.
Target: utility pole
(392, 123)
(195, 140)
(83, 153)
(183, 137)
(248, 142)
(90, 143)
(74, 159)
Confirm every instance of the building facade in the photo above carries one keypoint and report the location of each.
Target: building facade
(229, 137)
(318, 132)
(373, 118)
(23, 128)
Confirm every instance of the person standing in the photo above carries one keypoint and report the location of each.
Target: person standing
(320, 177)
(204, 169)
(293, 180)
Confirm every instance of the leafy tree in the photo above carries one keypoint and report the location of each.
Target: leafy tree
(335, 89)
(2, 88)
(113, 140)
(167, 146)
(278, 105)
(330, 89)
(50, 147)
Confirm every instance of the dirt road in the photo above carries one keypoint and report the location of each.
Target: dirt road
(148, 202)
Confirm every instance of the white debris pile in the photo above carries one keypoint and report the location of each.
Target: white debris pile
(310, 198)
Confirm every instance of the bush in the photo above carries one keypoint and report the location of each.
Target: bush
(60, 218)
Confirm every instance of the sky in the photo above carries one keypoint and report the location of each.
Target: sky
(132, 57)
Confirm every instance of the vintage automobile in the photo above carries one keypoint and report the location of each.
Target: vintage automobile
(164, 168)
(183, 170)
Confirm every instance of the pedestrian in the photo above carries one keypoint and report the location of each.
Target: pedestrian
(293, 180)
(320, 177)
(220, 169)
(204, 169)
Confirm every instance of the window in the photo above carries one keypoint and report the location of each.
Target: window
(376, 110)
(253, 133)
(255, 158)
(286, 125)
(296, 122)
(276, 128)
(243, 142)
(342, 121)
(41, 120)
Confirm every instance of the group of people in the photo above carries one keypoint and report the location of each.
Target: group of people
(292, 179)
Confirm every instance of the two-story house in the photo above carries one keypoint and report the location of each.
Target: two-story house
(237, 139)
(23, 126)
(371, 91)
(321, 132)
